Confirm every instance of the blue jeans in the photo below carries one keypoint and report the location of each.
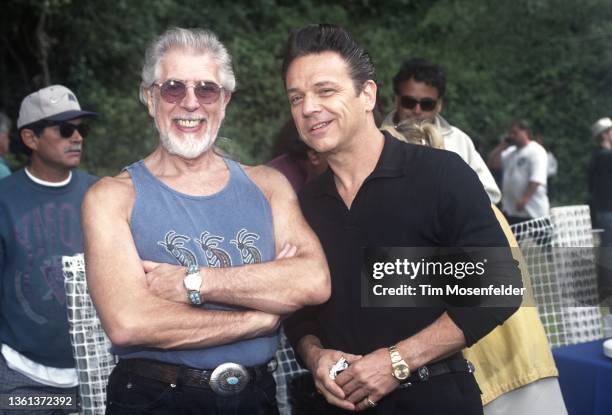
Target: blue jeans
(128, 393)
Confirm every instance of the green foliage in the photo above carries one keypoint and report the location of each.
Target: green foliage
(547, 61)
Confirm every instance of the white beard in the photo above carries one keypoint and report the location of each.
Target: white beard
(190, 147)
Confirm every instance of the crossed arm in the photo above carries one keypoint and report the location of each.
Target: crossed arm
(133, 312)
(278, 287)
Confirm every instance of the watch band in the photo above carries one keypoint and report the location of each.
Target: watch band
(193, 296)
(400, 369)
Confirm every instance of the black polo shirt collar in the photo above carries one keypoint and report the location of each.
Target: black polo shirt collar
(391, 163)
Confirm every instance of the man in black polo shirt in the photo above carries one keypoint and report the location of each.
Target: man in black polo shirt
(380, 192)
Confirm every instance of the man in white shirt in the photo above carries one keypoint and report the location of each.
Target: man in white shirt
(524, 164)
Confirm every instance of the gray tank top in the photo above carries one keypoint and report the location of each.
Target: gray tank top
(232, 227)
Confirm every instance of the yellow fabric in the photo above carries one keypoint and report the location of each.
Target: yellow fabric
(517, 352)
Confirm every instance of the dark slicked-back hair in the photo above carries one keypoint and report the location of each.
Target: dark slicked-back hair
(421, 70)
(319, 38)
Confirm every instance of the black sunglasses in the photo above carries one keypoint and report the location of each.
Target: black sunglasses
(427, 104)
(67, 129)
(173, 91)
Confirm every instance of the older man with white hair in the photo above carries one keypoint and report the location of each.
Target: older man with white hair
(192, 258)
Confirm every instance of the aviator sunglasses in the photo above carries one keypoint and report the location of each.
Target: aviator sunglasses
(427, 104)
(173, 91)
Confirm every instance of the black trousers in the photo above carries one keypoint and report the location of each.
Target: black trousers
(128, 393)
(450, 394)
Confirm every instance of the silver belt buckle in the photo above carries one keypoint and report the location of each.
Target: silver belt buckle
(229, 379)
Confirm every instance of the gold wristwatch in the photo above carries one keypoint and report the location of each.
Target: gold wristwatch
(400, 369)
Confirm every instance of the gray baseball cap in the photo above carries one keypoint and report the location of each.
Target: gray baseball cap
(52, 103)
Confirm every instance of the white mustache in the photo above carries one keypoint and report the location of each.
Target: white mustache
(78, 147)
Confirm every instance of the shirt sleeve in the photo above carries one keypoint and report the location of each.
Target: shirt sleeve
(538, 160)
(466, 220)
(301, 323)
(304, 321)
(4, 170)
(476, 162)
(505, 154)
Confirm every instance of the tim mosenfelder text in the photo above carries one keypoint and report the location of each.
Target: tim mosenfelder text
(458, 270)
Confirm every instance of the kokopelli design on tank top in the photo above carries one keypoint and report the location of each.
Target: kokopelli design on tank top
(215, 256)
(211, 245)
(245, 242)
(174, 243)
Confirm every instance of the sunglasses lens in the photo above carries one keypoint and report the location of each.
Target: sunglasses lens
(67, 130)
(207, 92)
(172, 91)
(428, 105)
(83, 130)
(408, 102)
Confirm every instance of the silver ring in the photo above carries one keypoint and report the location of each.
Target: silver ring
(370, 402)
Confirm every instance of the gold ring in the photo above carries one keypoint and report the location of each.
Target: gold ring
(370, 402)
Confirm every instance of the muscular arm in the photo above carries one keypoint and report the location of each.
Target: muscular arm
(278, 287)
(130, 313)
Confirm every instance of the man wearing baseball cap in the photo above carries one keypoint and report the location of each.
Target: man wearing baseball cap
(39, 223)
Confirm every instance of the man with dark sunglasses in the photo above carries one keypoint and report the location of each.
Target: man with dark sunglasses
(419, 88)
(39, 223)
(192, 257)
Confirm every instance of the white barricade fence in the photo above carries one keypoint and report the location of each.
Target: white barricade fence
(560, 255)
(90, 344)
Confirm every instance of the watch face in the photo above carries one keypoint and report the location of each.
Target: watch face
(401, 371)
(193, 281)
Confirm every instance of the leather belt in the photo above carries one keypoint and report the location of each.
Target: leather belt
(453, 364)
(199, 378)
